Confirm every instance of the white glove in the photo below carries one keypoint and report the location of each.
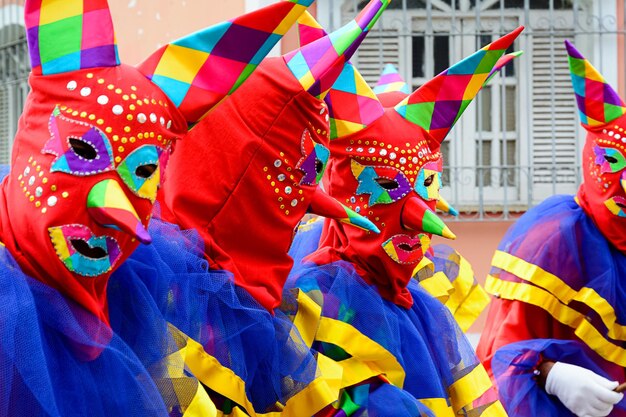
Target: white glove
(582, 391)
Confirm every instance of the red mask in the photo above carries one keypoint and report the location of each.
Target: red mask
(603, 193)
(93, 142)
(390, 170)
(247, 173)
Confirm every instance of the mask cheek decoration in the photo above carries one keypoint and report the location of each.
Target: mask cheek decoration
(141, 170)
(404, 249)
(81, 149)
(610, 160)
(428, 183)
(314, 160)
(385, 185)
(82, 252)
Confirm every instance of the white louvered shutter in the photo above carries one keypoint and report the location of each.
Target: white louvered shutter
(554, 121)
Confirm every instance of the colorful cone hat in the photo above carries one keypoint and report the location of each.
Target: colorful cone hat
(438, 104)
(317, 64)
(200, 70)
(598, 103)
(391, 81)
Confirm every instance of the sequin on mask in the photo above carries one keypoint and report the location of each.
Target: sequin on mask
(384, 184)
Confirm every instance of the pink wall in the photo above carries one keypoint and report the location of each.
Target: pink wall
(141, 26)
(477, 241)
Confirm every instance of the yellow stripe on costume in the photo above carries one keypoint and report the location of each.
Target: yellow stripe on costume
(307, 318)
(439, 286)
(469, 388)
(439, 406)
(201, 405)
(541, 298)
(588, 296)
(361, 348)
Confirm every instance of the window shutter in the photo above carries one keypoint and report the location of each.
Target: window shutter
(554, 121)
(378, 49)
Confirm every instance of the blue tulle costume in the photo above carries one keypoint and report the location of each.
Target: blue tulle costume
(558, 275)
(206, 306)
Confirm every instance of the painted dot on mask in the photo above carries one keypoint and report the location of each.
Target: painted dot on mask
(141, 118)
(371, 150)
(359, 149)
(71, 86)
(415, 160)
(282, 177)
(117, 109)
(618, 136)
(85, 91)
(31, 180)
(392, 156)
(349, 149)
(278, 163)
(103, 100)
(357, 209)
(38, 191)
(169, 124)
(162, 121)
(153, 118)
(288, 190)
(403, 160)
(353, 200)
(383, 152)
(294, 202)
(52, 201)
(26, 171)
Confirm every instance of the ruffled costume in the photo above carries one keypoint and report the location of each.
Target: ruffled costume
(375, 319)
(242, 179)
(443, 273)
(557, 275)
(88, 158)
(542, 274)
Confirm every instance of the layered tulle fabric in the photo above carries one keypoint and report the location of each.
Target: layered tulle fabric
(444, 273)
(556, 259)
(261, 361)
(430, 357)
(514, 366)
(47, 349)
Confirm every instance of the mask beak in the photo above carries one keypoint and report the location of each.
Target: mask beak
(416, 215)
(324, 205)
(108, 206)
(443, 205)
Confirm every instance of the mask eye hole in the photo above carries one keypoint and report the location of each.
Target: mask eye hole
(83, 149)
(610, 159)
(319, 166)
(429, 181)
(145, 171)
(387, 184)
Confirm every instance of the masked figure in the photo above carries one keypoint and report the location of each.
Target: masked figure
(386, 164)
(242, 179)
(89, 156)
(557, 319)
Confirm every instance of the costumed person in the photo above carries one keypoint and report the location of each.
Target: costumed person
(555, 340)
(89, 155)
(386, 164)
(243, 178)
(443, 272)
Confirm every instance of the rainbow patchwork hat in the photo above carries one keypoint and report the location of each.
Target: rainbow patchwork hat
(317, 64)
(598, 103)
(391, 81)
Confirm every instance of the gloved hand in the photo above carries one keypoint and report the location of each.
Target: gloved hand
(582, 391)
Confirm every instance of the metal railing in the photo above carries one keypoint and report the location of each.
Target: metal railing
(486, 178)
